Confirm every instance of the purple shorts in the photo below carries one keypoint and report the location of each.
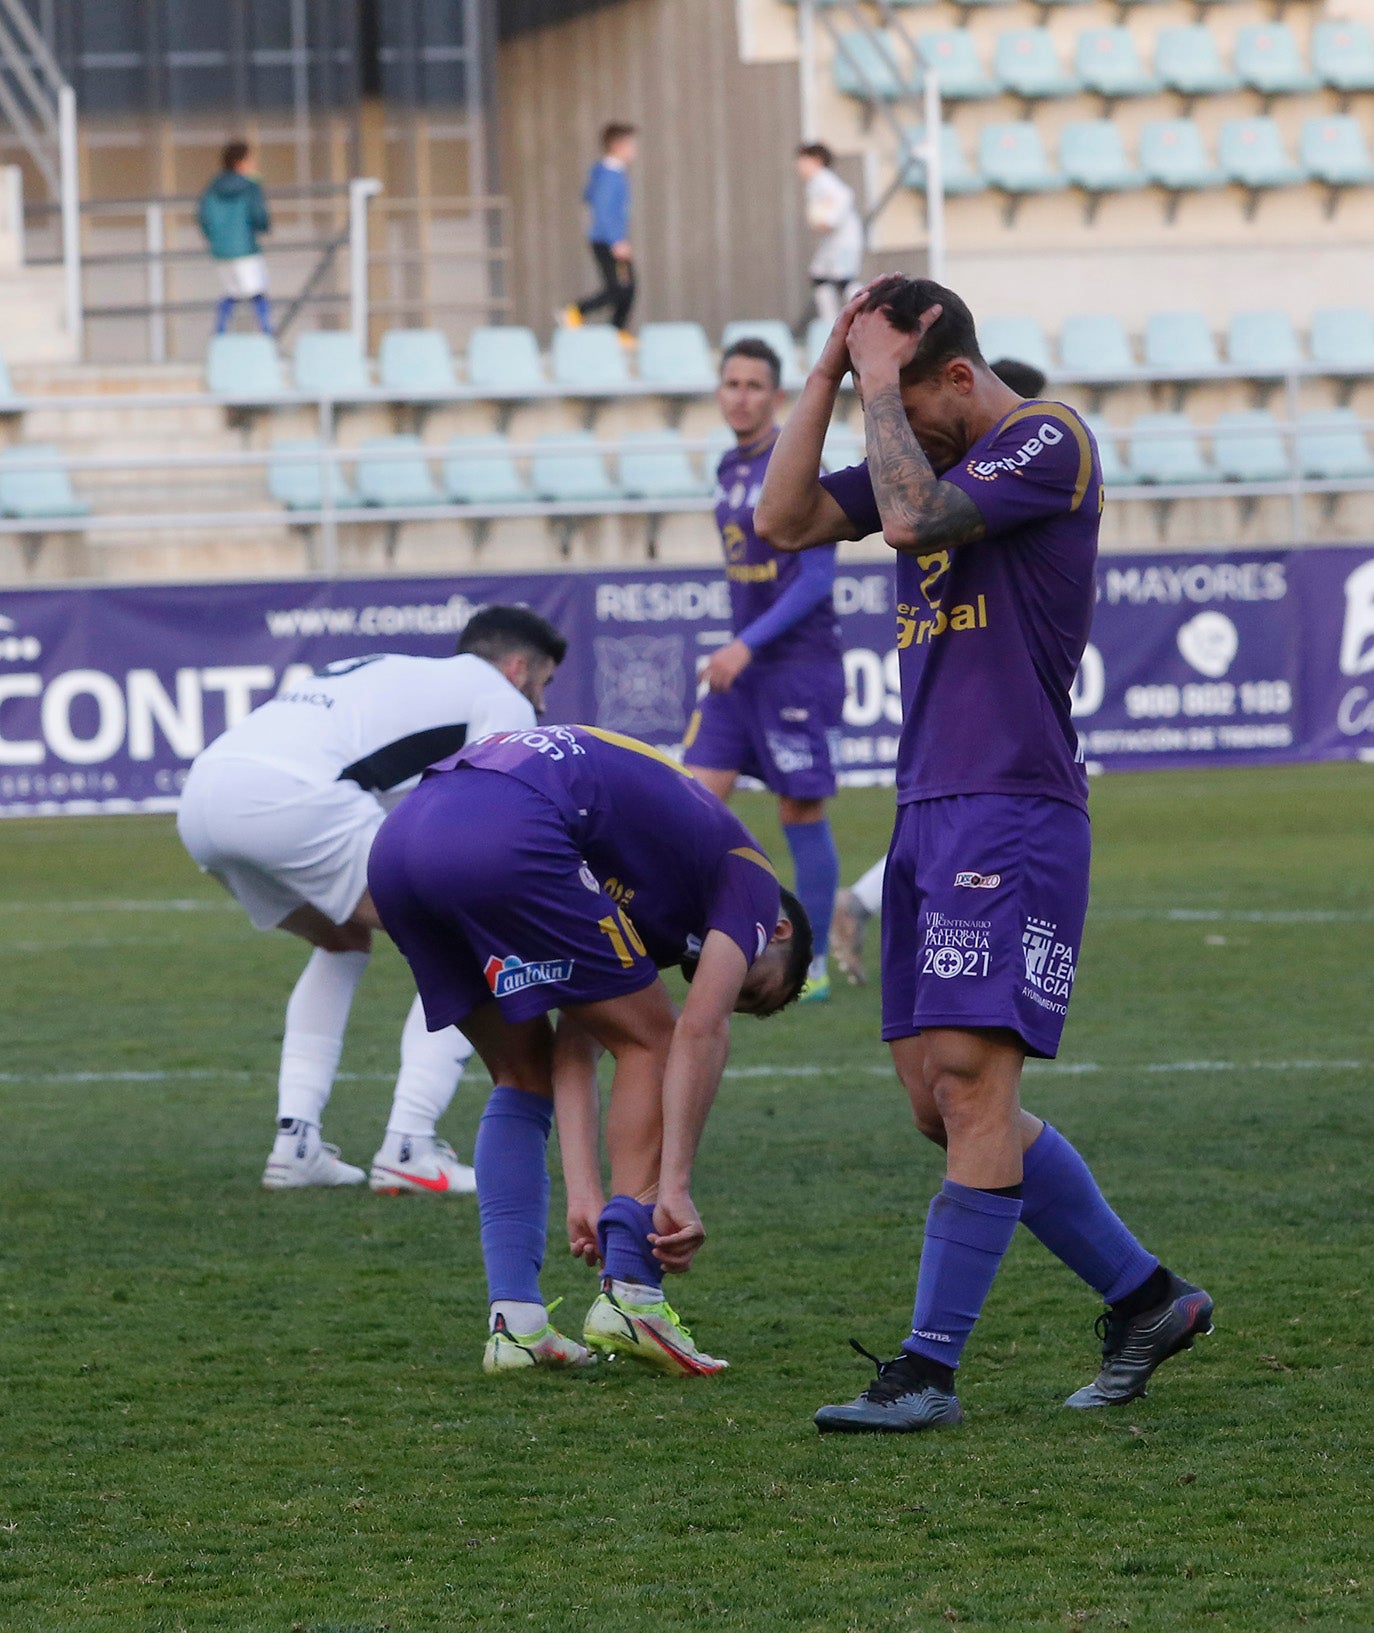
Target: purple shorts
(778, 723)
(480, 885)
(983, 908)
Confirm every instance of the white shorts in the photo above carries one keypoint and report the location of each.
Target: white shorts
(275, 842)
(245, 277)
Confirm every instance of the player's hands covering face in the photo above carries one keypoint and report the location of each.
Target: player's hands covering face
(677, 1234)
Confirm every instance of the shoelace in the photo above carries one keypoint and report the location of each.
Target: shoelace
(1112, 1331)
(887, 1386)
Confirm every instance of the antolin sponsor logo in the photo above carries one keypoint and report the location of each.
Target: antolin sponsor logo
(509, 975)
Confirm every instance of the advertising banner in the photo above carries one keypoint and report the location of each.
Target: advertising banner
(108, 693)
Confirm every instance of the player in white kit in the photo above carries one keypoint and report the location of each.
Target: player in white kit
(282, 810)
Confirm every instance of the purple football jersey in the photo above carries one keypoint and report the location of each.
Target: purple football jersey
(664, 849)
(757, 573)
(990, 635)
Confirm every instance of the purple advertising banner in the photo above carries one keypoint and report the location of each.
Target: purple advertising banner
(106, 694)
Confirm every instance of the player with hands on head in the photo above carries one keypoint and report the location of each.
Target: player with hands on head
(992, 505)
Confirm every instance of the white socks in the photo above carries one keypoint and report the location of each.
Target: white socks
(636, 1292)
(431, 1065)
(316, 1018)
(868, 890)
(524, 1320)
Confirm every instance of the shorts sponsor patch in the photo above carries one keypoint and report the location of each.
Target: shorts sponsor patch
(794, 717)
(509, 975)
(1050, 965)
(977, 881)
(953, 947)
(790, 751)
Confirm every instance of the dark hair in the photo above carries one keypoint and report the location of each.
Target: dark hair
(760, 351)
(903, 300)
(234, 153)
(1024, 378)
(495, 632)
(615, 132)
(801, 949)
(816, 150)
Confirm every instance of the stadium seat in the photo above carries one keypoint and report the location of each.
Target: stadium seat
(7, 392)
(589, 361)
(950, 54)
(416, 363)
(1026, 64)
(1331, 447)
(480, 470)
(301, 484)
(1021, 339)
(1341, 340)
(1248, 446)
(844, 446)
(969, 4)
(778, 336)
(654, 466)
(1107, 62)
(874, 66)
(1114, 469)
(1172, 156)
(570, 468)
(245, 367)
(394, 471)
(504, 361)
(817, 333)
(1263, 343)
(36, 495)
(1268, 61)
(1180, 343)
(1188, 60)
(1252, 155)
(1012, 159)
(1332, 151)
(1343, 57)
(1164, 449)
(1092, 157)
(676, 357)
(330, 363)
(1092, 343)
(957, 174)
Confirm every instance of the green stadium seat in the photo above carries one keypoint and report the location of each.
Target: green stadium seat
(245, 367)
(1332, 150)
(570, 468)
(1248, 446)
(951, 55)
(1268, 61)
(503, 361)
(1107, 62)
(653, 466)
(1172, 155)
(330, 363)
(1096, 343)
(970, 4)
(1341, 340)
(777, 335)
(1164, 449)
(1331, 446)
(1263, 343)
(873, 66)
(1343, 56)
(1026, 64)
(589, 361)
(1180, 343)
(1012, 159)
(416, 363)
(1188, 60)
(1115, 473)
(1252, 154)
(1093, 157)
(817, 333)
(301, 484)
(957, 174)
(37, 495)
(394, 471)
(1021, 339)
(480, 470)
(676, 357)
(844, 446)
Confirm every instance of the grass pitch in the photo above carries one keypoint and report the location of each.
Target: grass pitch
(224, 1409)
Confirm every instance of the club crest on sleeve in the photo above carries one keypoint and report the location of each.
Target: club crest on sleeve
(509, 975)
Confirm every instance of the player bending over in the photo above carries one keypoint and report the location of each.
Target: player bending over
(561, 869)
(992, 504)
(775, 694)
(282, 810)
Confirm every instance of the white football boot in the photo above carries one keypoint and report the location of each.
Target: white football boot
(421, 1167)
(300, 1158)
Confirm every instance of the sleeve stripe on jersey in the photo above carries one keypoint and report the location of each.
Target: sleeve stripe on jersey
(1071, 422)
(749, 854)
(635, 746)
(405, 758)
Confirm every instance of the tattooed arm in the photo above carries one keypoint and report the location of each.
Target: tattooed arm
(919, 511)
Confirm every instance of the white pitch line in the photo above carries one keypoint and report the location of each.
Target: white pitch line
(173, 904)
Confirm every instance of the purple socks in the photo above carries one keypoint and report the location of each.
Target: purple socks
(817, 866)
(967, 1233)
(1062, 1205)
(623, 1231)
(513, 1191)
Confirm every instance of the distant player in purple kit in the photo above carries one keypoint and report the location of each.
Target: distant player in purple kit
(562, 869)
(772, 710)
(992, 504)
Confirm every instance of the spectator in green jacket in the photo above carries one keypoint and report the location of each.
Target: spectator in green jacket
(232, 213)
